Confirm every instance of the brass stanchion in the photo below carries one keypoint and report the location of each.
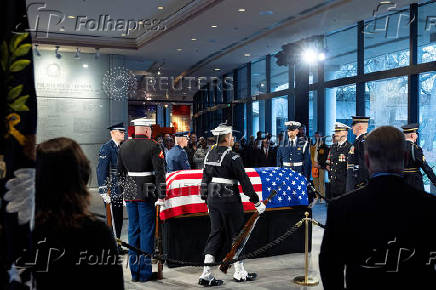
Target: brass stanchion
(306, 280)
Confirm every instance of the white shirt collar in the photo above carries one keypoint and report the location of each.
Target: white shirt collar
(118, 144)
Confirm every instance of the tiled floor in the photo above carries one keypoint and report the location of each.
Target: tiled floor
(273, 273)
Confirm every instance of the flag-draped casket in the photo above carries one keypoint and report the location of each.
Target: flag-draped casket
(183, 190)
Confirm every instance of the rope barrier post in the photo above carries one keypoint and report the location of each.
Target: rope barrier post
(306, 280)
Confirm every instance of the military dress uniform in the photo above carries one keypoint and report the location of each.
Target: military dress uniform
(337, 160)
(107, 178)
(223, 171)
(177, 158)
(141, 163)
(357, 173)
(296, 154)
(415, 161)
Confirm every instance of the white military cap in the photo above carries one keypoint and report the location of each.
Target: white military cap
(222, 129)
(341, 127)
(143, 122)
(292, 125)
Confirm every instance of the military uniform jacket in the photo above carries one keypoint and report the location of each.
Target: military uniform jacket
(296, 157)
(337, 160)
(221, 162)
(141, 164)
(357, 173)
(107, 172)
(415, 161)
(372, 230)
(177, 159)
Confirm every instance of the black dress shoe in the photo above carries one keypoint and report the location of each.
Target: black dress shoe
(250, 277)
(210, 283)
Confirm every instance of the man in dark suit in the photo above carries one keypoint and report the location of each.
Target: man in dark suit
(267, 155)
(381, 234)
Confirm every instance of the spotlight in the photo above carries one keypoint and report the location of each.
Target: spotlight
(97, 53)
(57, 54)
(310, 55)
(321, 56)
(36, 50)
(77, 54)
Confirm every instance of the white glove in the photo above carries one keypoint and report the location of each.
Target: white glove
(124, 203)
(106, 198)
(260, 207)
(159, 202)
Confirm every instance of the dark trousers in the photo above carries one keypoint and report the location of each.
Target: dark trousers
(226, 221)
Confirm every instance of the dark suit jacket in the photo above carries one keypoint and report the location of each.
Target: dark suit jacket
(266, 161)
(383, 235)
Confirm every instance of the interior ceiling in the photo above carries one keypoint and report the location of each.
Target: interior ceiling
(262, 29)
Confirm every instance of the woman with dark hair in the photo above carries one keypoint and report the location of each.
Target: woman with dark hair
(71, 249)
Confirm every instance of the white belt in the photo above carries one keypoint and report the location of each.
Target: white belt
(140, 173)
(290, 164)
(224, 180)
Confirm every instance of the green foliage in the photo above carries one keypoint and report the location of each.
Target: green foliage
(13, 60)
(20, 104)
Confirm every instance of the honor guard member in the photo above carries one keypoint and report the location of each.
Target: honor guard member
(107, 176)
(176, 157)
(337, 161)
(141, 162)
(223, 171)
(357, 173)
(296, 153)
(415, 159)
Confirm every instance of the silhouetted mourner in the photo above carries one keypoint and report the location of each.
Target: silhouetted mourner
(380, 236)
(223, 170)
(415, 159)
(107, 176)
(357, 173)
(296, 153)
(337, 160)
(141, 162)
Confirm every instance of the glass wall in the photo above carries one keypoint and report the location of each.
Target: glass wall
(279, 115)
(387, 42)
(242, 84)
(388, 102)
(256, 117)
(313, 113)
(279, 76)
(258, 77)
(341, 54)
(340, 107)
(427, 119)
(427, 33)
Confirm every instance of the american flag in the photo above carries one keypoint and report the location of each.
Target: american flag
(183, 190)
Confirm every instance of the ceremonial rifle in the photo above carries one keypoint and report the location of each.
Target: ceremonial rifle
(158, 245)
(109, 212)
(243, 237)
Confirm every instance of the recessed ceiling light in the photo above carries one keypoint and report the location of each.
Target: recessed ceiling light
(216, 69)
(247, 54)
(214, 26)
(241, 10)
(71, 17)
(179, 49)
(160, 7)
(193, 39)
(85, 65)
